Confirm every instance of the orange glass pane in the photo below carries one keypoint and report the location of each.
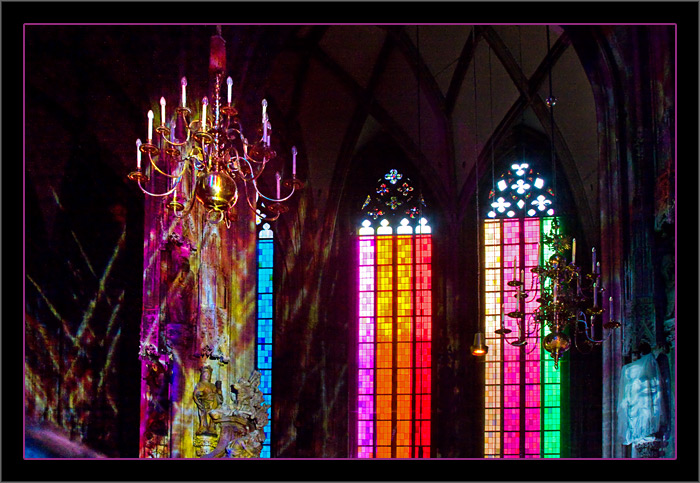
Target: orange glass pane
(384, 355)
(384, 407)
(404, 408)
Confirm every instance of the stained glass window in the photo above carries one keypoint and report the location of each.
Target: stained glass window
(394, 369)
(522, 397)
(265, 319)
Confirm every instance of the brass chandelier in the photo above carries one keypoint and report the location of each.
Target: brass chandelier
(210, 160)
(571, 303)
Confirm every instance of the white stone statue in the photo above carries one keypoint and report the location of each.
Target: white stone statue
(640, 409)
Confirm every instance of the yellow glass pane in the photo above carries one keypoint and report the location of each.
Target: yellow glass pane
(492, 419)
(385, 301)
(492, 442)
(492, 279)
(404, 325)
(404, 303)
(405, 277)
(384, 250)
(404, 249)
(492, 232)
(492, 396)
(385, 280)
(384, 329)
(492, 257)
(492, 301)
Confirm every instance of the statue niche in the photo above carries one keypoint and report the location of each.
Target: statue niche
(182, 285)
(207, 397)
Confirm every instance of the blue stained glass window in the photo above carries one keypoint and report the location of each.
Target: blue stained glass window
(265, 319)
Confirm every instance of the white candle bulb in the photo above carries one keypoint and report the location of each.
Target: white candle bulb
(264, 111)
(611, 308)
(597, 268)
(573, 251)
(205, 103)
(269, 129)
(522, 276)
(229, 82)
(184, 96)
(138, 154)
(278, 176)
(162, 111)
(150, 125)
(593, 263)
(294, 160)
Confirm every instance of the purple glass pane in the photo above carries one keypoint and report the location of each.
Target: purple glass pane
(365, 407)
(366, 381)
(366, 356)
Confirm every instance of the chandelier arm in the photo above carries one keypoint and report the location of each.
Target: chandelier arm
(531, 349)
(247, 160)
(256, 210)
(591, 338)
(169, 192)
(274, 200)
(535, 328)
(173, 143)
(155, 166)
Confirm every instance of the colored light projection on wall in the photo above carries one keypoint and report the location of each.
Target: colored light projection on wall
(394, 335)
(263, 360)
(522, 394)
(74, 326)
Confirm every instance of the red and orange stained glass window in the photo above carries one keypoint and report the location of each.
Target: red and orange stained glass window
(522, 397)
(394, 325)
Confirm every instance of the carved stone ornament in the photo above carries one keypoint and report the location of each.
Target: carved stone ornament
(242, 422)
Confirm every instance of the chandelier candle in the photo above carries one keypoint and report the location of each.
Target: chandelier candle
(150, 127)
(595, 295)
(138, 155)
(264, 119)
(184, 95)
(205, 103)
(162, 111)
(229, 83)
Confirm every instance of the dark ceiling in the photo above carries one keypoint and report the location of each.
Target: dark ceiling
(331, 88)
